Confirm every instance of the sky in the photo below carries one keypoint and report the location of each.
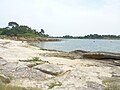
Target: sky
(64, 17)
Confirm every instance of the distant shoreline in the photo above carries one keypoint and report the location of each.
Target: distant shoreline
(90, 38)
(31, 39)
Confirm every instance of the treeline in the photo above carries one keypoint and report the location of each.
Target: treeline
(15, 30)
(92, 36)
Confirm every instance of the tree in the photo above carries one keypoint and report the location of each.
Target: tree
(42, 31)
(21, 31)
(13, 24)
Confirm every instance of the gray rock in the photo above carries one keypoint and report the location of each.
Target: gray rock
(31, 74)
(9, 68)
(99, 55)
(4, 78)
(116, 72)
(116, 63)
(49, 69)
(95, 86)
(79, 51)
(2, 61)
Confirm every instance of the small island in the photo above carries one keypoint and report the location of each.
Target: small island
(14, 31)
(91, 36)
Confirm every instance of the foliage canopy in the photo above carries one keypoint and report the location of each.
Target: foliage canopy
(14, 29)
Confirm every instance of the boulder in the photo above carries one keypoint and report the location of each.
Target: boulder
(49, 69)
(116, 63)
(100, 55)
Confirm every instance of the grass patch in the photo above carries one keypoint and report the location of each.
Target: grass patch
(34, 64)
(108, 81)
(111, 84)
(53, 84)
(34, 59)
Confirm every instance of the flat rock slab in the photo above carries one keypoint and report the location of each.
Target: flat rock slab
(99, 55)
(18, 70)
(30, 73)
(49, 69)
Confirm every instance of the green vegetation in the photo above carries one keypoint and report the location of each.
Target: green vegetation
(96, 36)
(34, 59)
(53, 84)
(16, 30)
(111, 84)
(91, 36)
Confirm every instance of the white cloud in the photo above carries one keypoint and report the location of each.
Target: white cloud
(60, 17)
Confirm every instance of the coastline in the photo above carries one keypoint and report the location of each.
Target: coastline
(77, 72)
(31, 39)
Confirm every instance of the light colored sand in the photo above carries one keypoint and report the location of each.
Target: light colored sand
(17, 50)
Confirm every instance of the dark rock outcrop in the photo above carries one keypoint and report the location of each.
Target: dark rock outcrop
(100, 55)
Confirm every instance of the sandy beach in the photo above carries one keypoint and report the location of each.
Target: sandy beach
(74, 74)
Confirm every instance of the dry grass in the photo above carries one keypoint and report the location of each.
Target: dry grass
(111, 84)
(9, 87)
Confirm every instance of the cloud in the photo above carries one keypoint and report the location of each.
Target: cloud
(60, 17)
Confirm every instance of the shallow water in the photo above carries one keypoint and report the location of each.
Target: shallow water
(82, 44)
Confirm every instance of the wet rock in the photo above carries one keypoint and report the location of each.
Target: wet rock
(79, 51)
(49, 69)
(99, 55)
(68, 55)
(4, 78)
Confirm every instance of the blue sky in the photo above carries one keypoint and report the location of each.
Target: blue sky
(62, 17)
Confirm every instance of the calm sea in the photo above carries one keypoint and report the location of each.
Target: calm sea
(82, 44)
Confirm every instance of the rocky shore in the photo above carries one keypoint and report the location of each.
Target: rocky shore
(31, 39)
(28, 66)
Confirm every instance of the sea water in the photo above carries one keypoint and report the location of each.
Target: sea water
(101, 45)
